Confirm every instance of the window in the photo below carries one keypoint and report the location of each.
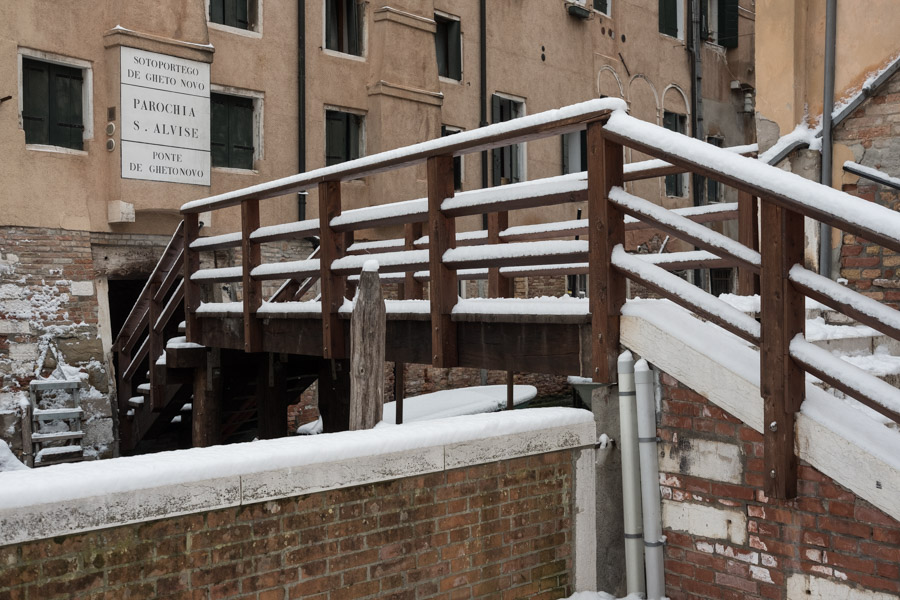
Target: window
(713, 188)
(671, 16)
(447, 43)
(674, 183)
(719, 22)
(231, 134)
(720, 281)
(574, 152)
(602, 6)
(507, 161)
(576, 286)
(343, 136)
(52, 104)
(457, 160)
(240, 14)
(343, 26)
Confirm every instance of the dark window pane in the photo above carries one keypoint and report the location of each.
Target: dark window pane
(728, 23)
(342, 26)
(52, 111)
(720, 281)
(217, 11)
(602, 6)
(668, 17)
(231, 133)
(36, 101)
(342, 136)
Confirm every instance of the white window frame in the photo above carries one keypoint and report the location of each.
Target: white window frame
(363, 38)
(462, 50)
(523, 154)
(256, 32)
(362, 132)
(87, 95)
(258, 128)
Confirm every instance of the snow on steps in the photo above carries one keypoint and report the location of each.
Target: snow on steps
(842, 439)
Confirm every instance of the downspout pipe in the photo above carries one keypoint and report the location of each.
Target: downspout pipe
(482, 33)
(301, 103)
(825, 267)
(695, 45)
(631, 477)
(650, 499)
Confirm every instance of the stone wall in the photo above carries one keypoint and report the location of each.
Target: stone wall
(726, 540)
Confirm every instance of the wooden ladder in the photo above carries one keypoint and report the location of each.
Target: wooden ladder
(39, 452)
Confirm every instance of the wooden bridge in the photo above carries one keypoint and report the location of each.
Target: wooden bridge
(265, 352)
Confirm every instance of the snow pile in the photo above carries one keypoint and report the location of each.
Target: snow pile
(453, 403)
(802, 135)
(8, 460)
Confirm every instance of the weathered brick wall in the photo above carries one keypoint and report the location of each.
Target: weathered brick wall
(497, 530)
(872, 133)
(727, 540)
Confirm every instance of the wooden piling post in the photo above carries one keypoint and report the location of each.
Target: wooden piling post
(444, 284)
(251, 256)
(207, 403)
(334, 287)
(607, 228)
(783, 316)
(367, 332)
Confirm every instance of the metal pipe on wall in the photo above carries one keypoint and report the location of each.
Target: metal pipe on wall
(301, 103)
(631, 477)
(650, 498)
(825, 267)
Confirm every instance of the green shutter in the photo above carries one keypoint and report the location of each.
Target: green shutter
(440, 46)
(728, 23)
(352, 12)
(240, 133)
(601, 6)
(454, 50)
(36, 101)
(335, 137)
(331, 25)
(668, 17)
(496, 153)
(218, 140)
(241, 14)
(354, 123)
(217, 11)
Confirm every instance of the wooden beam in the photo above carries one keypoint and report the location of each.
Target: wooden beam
(207, 402)
(333, 286)
(251, 257)
(443, 287)
(499, 286)
(748, 235)
(367, 334)
(191, 288)
(783, 316)
(607, 228)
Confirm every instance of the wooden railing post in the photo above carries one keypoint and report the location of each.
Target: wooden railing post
(191, 288)
(251, 256)
(498, 285)
(606, 286)
(748, 235)
(334, 287)
(157, 347)
(443, 289)
(783, 316)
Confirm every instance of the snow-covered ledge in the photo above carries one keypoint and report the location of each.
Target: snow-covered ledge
(72, 498)
(837, 438)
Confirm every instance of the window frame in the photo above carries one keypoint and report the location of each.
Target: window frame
(362, 32)
(255, 20)
(258, 99)
(361, 136)
(87, 95)
(521, 154)
(448, 18)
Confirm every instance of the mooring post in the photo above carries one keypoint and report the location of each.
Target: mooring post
(367, 331)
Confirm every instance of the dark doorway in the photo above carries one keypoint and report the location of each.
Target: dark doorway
(123, 293)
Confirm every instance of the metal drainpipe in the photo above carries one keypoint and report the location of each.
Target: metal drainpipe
(827, 143)
(301, 103)
(631, 477)
(694, 46)
(483, 67)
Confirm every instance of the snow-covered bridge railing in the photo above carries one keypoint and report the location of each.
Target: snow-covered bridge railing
(432, 251)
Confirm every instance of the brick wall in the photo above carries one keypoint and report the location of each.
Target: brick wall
(872, 133)
(727, 540)
(497, 530)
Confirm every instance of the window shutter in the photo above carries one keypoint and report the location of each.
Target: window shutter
(241, 14)
(440, 46)
(602, 6)
(66, 119)
(240, 133)
(36, 101)
(218, 140)
(335, 138)
(728, 23)
(353, 41)
(496, 153)
(217, 11)
(454, 50)
(668, 17)
(331, 25)
(353, 126)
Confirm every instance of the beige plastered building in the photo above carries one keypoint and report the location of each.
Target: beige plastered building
(74, 231)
